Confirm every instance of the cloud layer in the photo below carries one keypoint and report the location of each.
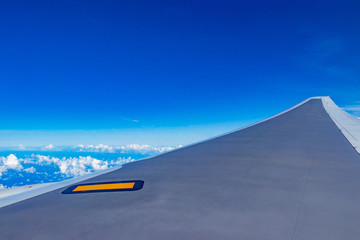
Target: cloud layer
(144, 149)
(100, 148)
(40, 168)
(31, 165)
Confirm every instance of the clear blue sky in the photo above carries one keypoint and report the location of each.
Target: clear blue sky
(128, 71)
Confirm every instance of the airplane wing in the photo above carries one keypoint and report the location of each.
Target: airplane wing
(293, 176)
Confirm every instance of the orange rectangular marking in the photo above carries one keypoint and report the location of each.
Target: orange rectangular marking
(109, 186)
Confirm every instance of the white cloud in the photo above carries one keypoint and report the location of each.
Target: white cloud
(2, 186)
(22, 147)
(30, 170)
(122, 161)
(71, 167)
(145, 149)
(80, 166)
(9, 162)
(48, 147)
(94, 148)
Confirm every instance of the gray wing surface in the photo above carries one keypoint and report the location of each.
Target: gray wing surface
(294, 176)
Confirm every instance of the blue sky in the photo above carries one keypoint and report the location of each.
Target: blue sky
(168, 72)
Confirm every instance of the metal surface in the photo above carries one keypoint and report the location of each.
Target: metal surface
(347, 123)
(294, 176)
